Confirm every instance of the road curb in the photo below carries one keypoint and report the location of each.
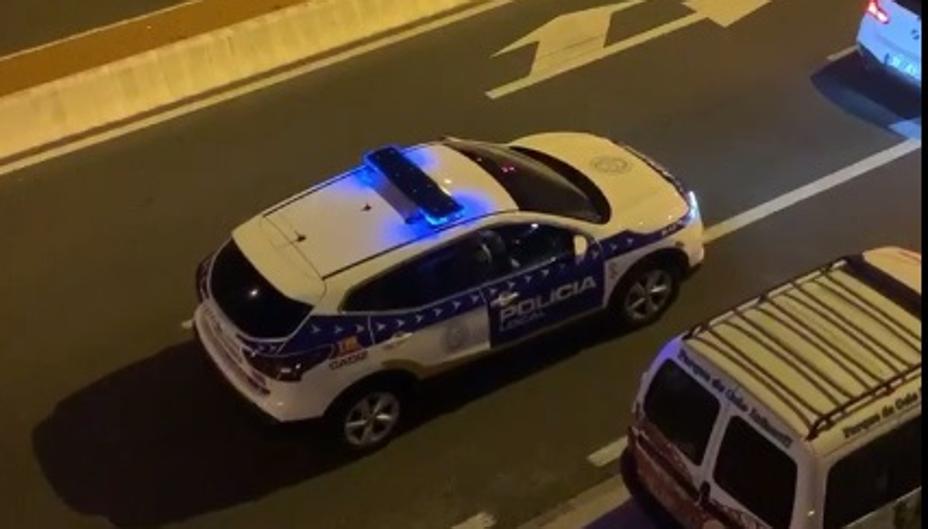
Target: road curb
(116, 92)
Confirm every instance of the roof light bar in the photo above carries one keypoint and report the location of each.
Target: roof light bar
(434, 202)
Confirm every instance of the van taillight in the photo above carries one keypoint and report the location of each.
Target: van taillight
(875, 10)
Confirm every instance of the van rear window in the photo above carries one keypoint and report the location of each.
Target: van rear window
(249, 300)
(682, 409)
(745, 456)
(892, 464)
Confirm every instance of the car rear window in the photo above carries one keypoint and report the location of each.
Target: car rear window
(682, 409)
(892, 464)
(249, 300)
(746, 455)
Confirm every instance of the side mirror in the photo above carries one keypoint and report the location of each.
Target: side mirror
(581, 246)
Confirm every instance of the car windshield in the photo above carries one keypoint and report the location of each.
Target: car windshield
(249, 300)
(538, 182)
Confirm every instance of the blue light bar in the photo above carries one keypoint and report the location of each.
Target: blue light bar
(436, 205)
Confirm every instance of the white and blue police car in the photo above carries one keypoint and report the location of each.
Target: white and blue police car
(334, 302)
(890, 39)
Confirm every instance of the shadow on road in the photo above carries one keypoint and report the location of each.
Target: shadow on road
(873, 97)
(165, 439)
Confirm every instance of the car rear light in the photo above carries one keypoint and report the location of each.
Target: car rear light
(289, 368)
(875, 10)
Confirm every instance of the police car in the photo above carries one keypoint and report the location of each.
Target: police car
(334, 302)
(890, 39)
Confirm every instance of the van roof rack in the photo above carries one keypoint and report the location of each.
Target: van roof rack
(770, 323)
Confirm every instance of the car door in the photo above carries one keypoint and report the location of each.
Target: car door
(890, 497)
(545, 281)
(730, 490)
(430, 310)
(678, 432)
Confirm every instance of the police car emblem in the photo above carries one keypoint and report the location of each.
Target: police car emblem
(610, 164)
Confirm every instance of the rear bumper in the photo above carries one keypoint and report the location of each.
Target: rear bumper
(261, 399)
(874, 50)
(657, 490)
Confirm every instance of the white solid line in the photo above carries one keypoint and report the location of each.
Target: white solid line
(840, 54)
(585, 508)
(478, 521)
(809, 190)
(98, 29)
(609, 453)
(248, 88)
(622, 45)
(186, 324)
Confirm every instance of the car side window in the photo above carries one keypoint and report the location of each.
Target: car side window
(531, 244)
(892, 464)
(746, 455)
(682, 409)
(441, 273)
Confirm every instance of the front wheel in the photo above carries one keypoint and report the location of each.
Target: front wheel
(645, 293)
(367, 418)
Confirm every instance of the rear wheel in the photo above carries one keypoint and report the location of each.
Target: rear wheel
(366, 418)
(646, 291)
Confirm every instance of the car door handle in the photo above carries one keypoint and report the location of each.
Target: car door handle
(398, 338)
(504, 299)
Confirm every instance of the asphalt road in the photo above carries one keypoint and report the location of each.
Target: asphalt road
(29, 23)
(111, 415)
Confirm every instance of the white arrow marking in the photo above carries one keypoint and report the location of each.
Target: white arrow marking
(569, 36)
(551, 61)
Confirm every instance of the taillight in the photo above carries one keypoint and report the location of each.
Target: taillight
(875, 10)
(288, 368)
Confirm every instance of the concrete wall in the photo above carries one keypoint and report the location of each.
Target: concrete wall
(76, 104)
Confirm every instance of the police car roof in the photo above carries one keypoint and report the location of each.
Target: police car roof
(350, 218)
(823, 348)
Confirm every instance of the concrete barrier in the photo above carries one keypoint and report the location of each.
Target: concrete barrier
(36, 117)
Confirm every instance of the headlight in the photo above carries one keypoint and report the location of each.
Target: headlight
(694, 206)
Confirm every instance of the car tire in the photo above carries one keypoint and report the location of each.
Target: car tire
(366, 417)
(646, 291)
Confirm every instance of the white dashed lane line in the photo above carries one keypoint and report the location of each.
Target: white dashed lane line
(609, 453)
(841, 54)
(478, 521)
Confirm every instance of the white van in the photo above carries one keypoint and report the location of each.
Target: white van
(798, 409)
